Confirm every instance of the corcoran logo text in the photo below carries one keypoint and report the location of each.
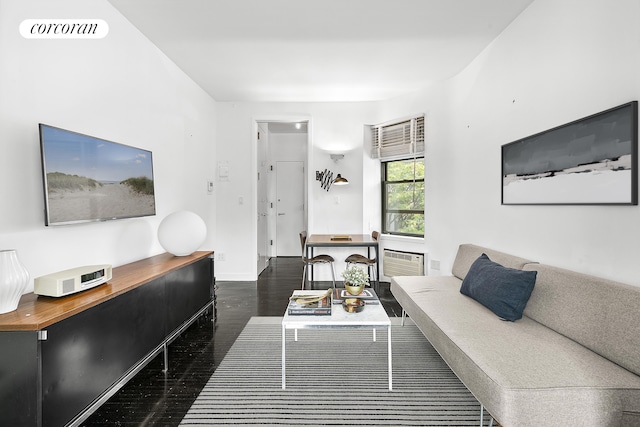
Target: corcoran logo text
(63, 28)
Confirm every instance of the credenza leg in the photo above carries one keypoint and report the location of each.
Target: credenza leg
(165, 351)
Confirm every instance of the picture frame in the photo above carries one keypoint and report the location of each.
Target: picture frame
(590, 161)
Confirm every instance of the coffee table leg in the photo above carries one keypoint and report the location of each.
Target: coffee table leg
(389, 351)
(284, 370)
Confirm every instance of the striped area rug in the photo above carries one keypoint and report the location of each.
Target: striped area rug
(334, 377)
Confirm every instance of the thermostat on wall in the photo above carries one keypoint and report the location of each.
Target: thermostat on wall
(71, 281)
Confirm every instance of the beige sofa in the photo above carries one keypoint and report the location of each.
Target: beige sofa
(573, 359)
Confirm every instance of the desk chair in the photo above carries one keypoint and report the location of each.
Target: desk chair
(363, 260)
(318, 259)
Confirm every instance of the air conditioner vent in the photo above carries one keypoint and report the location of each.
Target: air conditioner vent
(398, 263)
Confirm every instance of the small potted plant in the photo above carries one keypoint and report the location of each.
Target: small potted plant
(355, 279)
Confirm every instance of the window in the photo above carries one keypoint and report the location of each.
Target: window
(399, 144)
(403, 197)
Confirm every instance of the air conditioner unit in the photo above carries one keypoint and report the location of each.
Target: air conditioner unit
(397, 263)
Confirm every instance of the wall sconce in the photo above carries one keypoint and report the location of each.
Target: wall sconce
(340, 180)
(326, 179)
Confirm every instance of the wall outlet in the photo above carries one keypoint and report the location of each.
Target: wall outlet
(220, 256)
(435, 264)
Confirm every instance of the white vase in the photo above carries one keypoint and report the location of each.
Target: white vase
(13, 280)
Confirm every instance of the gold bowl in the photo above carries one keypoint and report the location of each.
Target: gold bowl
(353, 305)
(353, 289)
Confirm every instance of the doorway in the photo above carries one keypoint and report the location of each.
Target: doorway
(282, 150)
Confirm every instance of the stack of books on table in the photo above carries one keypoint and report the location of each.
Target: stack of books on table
(306, 303)
(368, 295)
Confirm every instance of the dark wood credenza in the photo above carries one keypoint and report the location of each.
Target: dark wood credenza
(61, 358)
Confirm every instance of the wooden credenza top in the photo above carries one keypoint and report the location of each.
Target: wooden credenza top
(36, 312)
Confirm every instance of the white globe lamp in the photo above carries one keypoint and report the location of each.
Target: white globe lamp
(181, 233)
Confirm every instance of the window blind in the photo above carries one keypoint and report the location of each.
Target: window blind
(397, 140)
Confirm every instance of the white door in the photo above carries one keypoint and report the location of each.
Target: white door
(263, 216)
(289, 207)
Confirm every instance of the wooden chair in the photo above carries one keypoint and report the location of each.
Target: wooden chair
(318, 259)
(363, 260)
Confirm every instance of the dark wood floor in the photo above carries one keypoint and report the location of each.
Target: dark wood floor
(155, 398)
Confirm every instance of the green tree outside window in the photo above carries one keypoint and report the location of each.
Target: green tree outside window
(403, 197)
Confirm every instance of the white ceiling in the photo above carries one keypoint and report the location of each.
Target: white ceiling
(319, 50)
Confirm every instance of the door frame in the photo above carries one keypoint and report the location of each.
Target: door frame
(286, 118)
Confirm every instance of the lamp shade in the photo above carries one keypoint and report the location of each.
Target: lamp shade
(181, 233)
(340, 180)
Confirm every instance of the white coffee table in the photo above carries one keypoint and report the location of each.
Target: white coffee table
(372, 317)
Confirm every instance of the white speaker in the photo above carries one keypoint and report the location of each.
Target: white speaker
(71, 281)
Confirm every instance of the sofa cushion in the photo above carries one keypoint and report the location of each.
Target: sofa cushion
(468, 253)
(607, 312)
(503, 290)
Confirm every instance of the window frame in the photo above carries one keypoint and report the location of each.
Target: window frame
(385, 211)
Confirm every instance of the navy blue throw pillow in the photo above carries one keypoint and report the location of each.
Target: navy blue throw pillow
(503, 290)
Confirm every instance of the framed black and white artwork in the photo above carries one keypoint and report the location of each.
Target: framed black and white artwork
(591, 161)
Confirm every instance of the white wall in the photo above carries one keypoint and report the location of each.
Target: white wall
(333, 127)
(119, 88)
(558, 61)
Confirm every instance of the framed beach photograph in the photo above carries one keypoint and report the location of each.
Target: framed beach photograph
(591, 161)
